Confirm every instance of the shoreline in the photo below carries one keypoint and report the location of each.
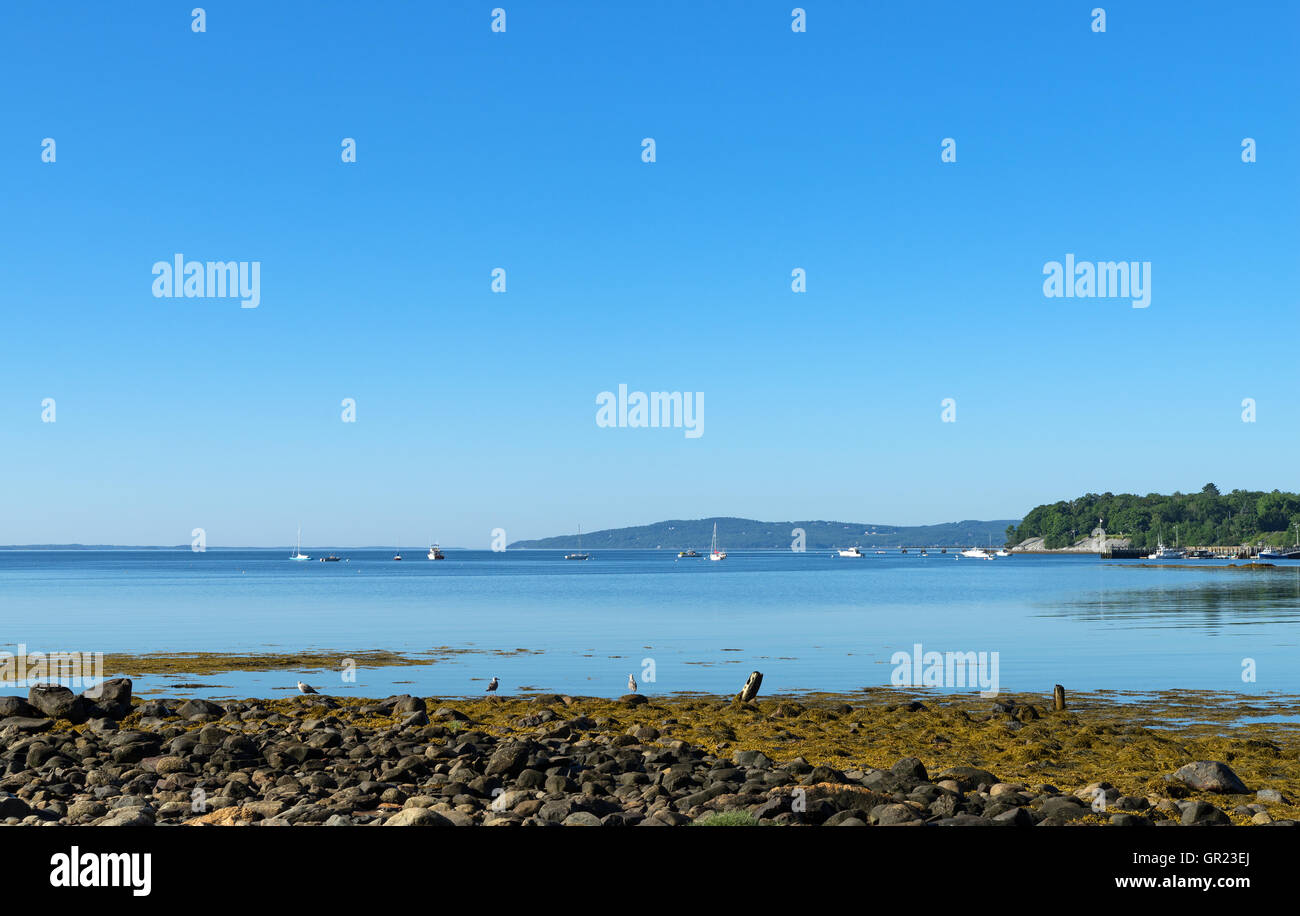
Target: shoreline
(879, 756)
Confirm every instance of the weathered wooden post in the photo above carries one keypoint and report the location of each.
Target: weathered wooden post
(1058, 698)
(750, 689)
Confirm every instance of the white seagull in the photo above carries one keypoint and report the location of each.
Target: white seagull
(631, 684)
(306, 688)
(492, 685)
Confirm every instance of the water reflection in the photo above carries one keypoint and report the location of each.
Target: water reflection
(1211, 601)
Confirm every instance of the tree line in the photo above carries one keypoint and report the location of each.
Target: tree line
(1202, 519)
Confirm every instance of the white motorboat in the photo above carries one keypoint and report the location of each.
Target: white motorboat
(851, 552)
(977, 553)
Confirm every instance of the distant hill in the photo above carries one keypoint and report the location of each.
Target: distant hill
(741, 533)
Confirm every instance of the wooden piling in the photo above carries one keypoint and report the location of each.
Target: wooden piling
(1058, 698)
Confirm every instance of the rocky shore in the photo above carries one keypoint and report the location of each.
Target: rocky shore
(585, 761)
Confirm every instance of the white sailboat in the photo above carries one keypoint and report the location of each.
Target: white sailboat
(297, 551)
(714, 552)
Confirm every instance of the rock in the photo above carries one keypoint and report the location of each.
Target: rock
(911, 769)
(57, 702)
(1203, 814)
(886, 815)
(508, 759)
(11, 706)
(24, 724)
(582, 819)
(197, 709)
(1272, 796)
(111, 699)
(633, 699)
(407, 704)
(13, 806)
(1123, 819)
(417, 817)
(968, 778)
(1210, 776)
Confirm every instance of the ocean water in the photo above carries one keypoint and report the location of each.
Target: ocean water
(809, 622)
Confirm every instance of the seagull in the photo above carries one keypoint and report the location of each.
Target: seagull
(492, 685)
(306, 688)
(631, 684)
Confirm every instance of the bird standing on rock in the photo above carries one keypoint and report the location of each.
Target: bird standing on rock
(492, 685)
(306, 688)
(631, 684)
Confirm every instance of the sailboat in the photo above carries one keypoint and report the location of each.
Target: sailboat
(398, 555)
(714, 552)
(579, 555)
(297, 551)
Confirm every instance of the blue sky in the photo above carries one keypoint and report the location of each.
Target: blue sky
(522, 150)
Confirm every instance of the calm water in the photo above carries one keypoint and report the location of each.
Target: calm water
(808, 621)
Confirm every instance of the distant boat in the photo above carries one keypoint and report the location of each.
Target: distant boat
(688, 553)
(435, 553)
(1003, 552)
(1274, 553)
(924, 553)
(398, 555)
(714, 552)
(579, 555)
(297, 551)
(330, 559)
(851, 552)
(977, 553)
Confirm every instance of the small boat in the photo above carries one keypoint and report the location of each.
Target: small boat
(1003, 553)
(297, 551)
(924, 553)
(435, 553)
(977, 553)
(688, 553)
(851, 552)
(579, 555)
(714, 552)
(330, 559)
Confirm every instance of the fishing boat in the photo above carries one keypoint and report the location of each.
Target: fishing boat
(297, 551)
(714, 552)
(579, 555)
(851, 552)
(435, 553)
(685, 554)
(330, 559)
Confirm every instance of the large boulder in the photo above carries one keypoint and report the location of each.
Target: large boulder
(197, 709)
(1210, 776)
(57, 702)
(111, 699)
(15, 706)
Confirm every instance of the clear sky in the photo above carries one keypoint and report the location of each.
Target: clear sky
(523, 150)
